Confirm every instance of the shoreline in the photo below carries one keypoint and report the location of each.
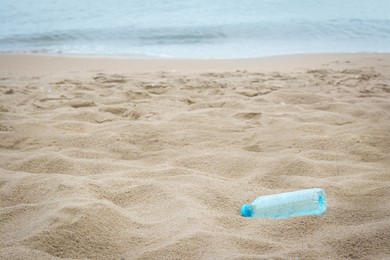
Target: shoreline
(25, 62)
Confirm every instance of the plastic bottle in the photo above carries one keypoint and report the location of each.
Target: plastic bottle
(286, 205)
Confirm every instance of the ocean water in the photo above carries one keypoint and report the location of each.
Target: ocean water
(194, 29)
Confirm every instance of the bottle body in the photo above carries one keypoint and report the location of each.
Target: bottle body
(286, 205)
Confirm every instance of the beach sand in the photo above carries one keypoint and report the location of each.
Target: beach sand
(106, 158)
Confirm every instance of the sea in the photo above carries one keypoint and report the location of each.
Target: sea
(204, 29)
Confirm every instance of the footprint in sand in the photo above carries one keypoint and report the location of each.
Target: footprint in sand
(136, 95)
(158, 89)
(253, 93)
(9, 92)
(248, 115)
(115, 78)
(78, 103)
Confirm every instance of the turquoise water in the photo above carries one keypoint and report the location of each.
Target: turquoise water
(194, 29)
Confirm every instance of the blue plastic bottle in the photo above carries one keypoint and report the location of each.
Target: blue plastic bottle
(286, 205)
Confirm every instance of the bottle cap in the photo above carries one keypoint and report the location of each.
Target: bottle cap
(246, 210)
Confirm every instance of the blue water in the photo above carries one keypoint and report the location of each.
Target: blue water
(194, 29)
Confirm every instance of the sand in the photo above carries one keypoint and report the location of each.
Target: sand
(107, 158)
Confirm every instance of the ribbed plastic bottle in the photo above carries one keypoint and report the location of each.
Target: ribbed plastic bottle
(286, 205)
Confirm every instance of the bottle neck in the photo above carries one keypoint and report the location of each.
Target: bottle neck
(246, 210)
